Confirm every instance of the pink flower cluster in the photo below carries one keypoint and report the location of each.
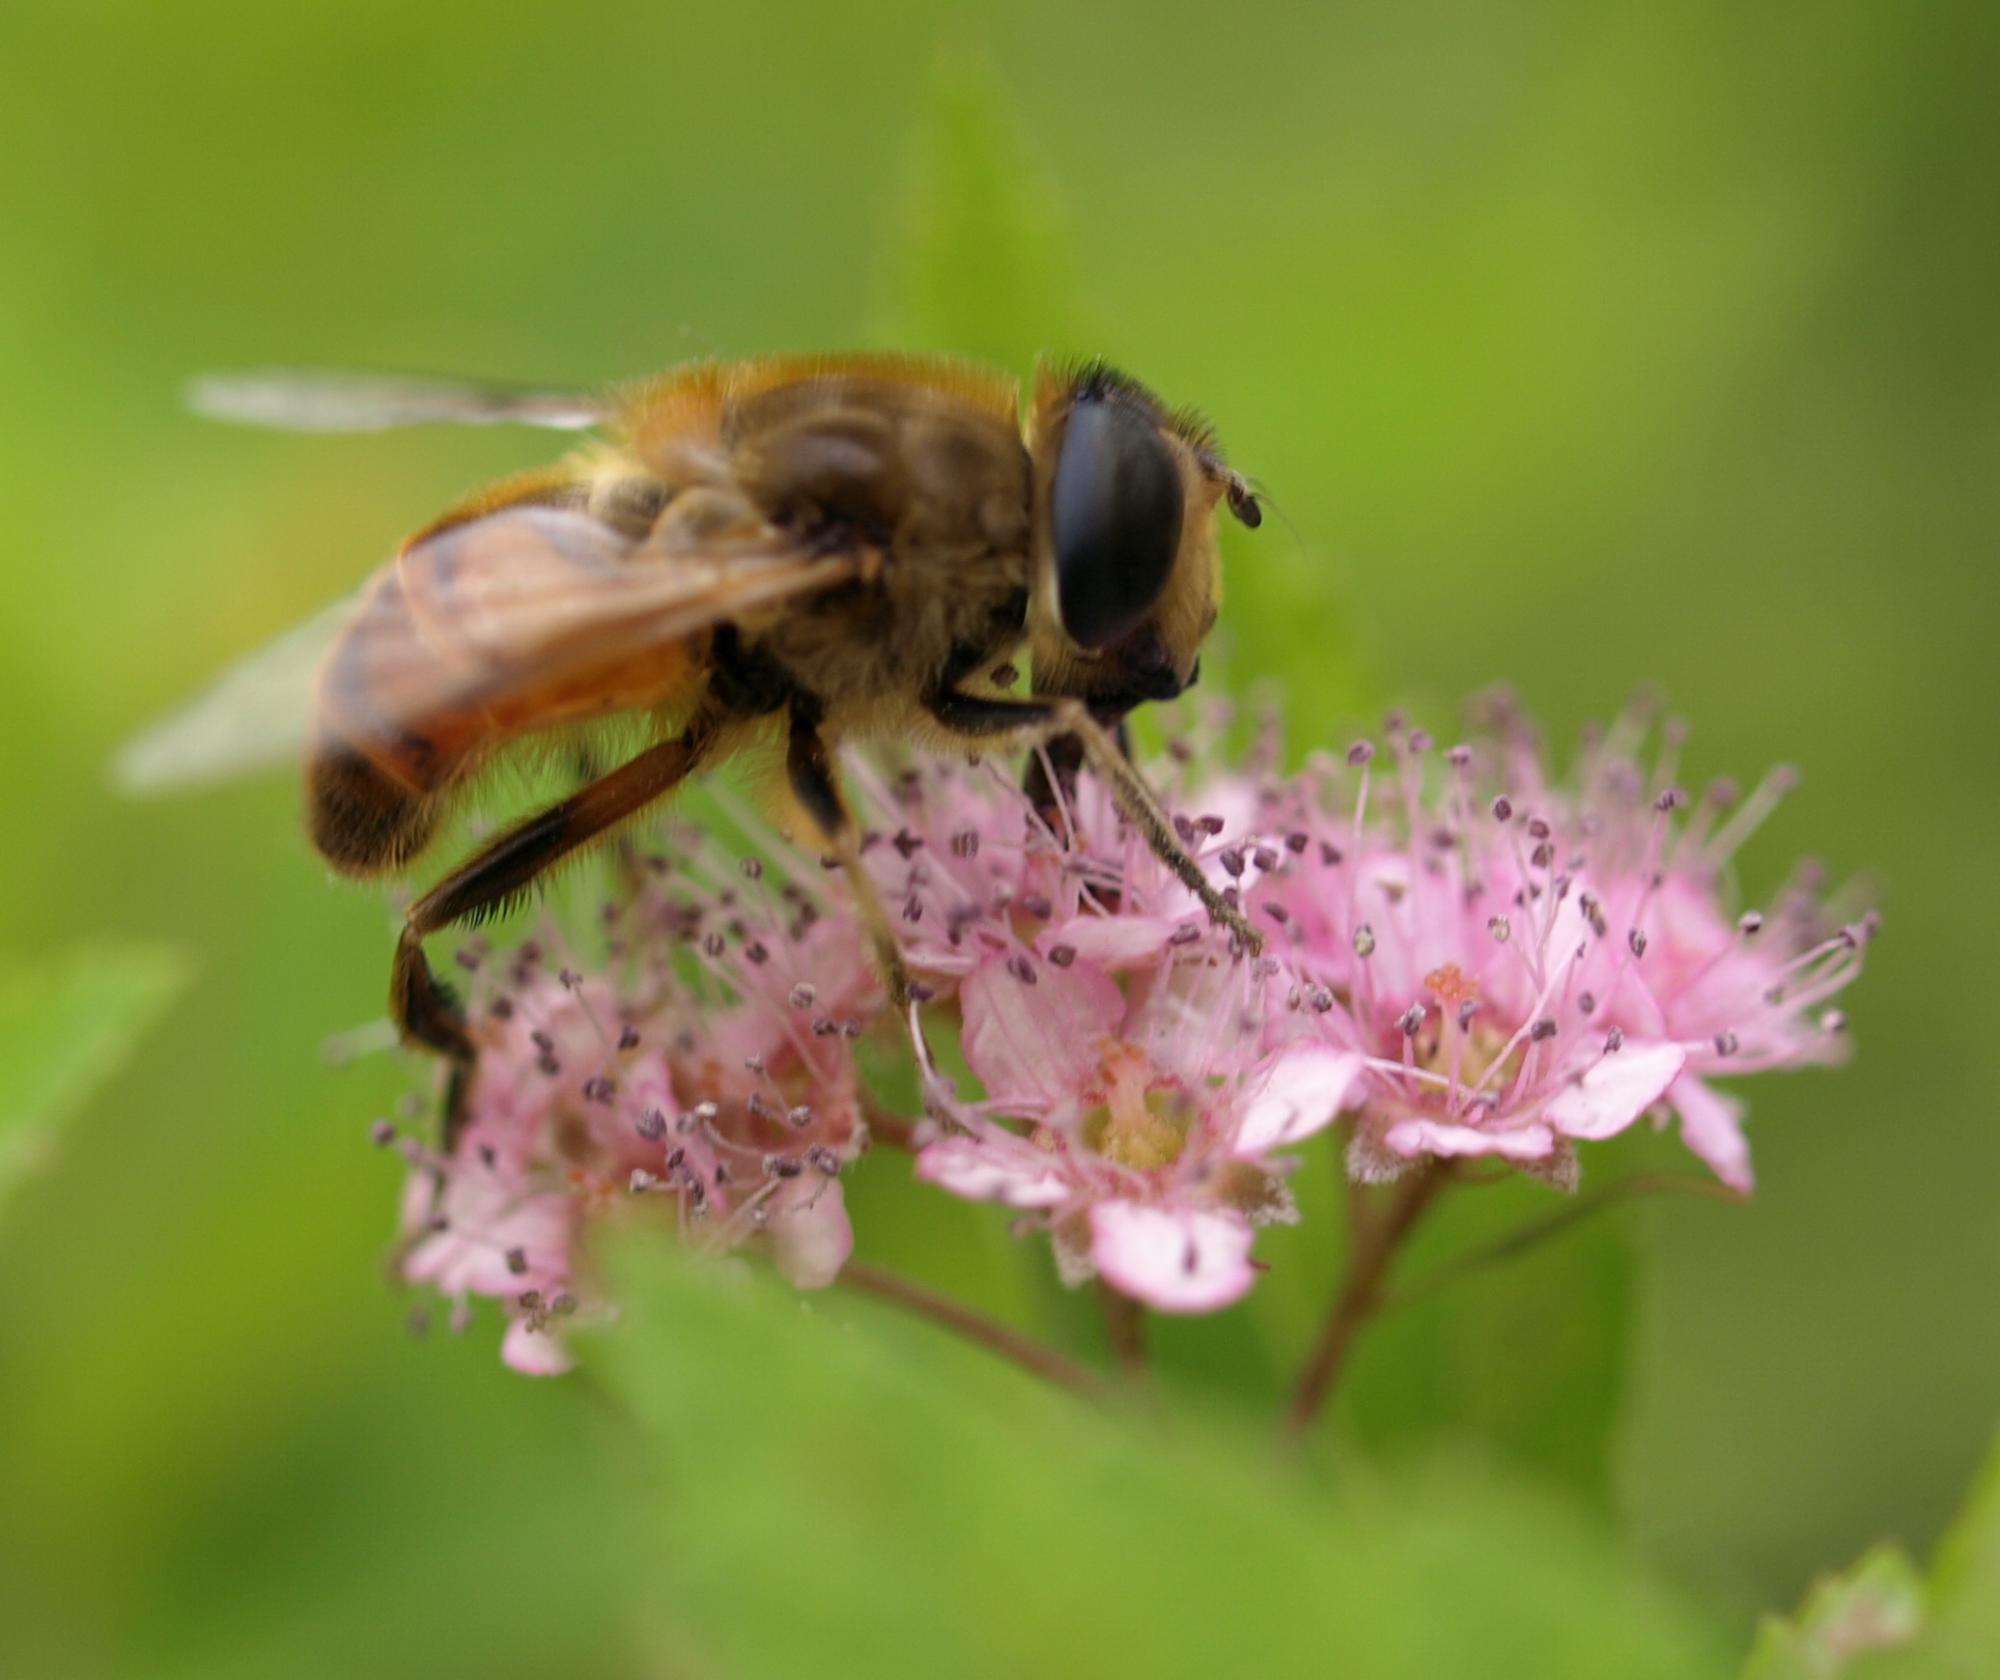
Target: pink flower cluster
(1464, 955)
(705, 1084)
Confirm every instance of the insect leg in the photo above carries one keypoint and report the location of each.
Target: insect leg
(1032, 722)
(1062, 754)
(809, 767)
(423, 1009)
(631, 873)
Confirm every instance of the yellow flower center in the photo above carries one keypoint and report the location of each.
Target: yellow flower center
(1464, 1054)
(1137, 1126)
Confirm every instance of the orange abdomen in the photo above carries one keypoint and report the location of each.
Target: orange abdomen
(413, 702)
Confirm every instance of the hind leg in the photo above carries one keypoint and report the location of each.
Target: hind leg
(423, 1008)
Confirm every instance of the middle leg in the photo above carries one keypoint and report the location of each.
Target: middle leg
(809, 767)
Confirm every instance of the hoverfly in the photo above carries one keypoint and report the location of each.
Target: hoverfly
(783, 551)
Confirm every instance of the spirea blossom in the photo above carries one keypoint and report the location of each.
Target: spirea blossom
(1526, 962)
(1464, 954)
(705, 1085)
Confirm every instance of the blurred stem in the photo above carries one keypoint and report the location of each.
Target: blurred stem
(1533, 1235)
(1124, 1329)
(887, 1128)
(1376, 1238)
(1010, 1344)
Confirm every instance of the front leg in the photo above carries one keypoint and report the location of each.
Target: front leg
(981, 720)
(1050, 776)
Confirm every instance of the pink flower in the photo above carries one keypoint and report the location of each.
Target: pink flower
(1466, 956)
(1152, 1115)
(709, 1091)
(1524, 964)
(969, 868)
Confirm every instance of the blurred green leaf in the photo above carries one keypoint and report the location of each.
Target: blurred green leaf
(1880, 1620)
(1965, 1580)
(978, 261)
(1880, 1601)
(65, 1027)
(941, 1513)
(1960, 1639)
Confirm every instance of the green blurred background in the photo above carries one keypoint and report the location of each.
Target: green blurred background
(1578, 346)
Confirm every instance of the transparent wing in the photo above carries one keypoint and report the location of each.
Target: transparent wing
(527, 618)
(304, 400)
(534, 616)
(255, 716)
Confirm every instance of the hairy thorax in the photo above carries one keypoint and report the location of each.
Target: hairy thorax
(934, 491)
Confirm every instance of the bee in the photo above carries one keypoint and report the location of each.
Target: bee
(788, 552)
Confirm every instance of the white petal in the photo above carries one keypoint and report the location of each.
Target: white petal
(993, 1171)
(485, 1225)
(1615, 1091)
(534, 1353)
(1302, 1090)
(1436, 1137)
(811, 1235)
(1177, 1261)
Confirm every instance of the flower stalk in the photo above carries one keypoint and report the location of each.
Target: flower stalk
(1124, 1331)
(1377, 1237)
(1036, 1358)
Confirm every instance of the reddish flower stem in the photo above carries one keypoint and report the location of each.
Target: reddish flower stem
(1532, 1236)
(1002, 1339)
(1124, 1329)
(1376, 1238)
(889, 1130)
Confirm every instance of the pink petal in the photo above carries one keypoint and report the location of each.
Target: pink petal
(995, 1170)
(486, 1224)
(1302, 1090)
(534, 1353)
(1036, 1046)
(1176, 1260)
(1437, 1137)
(1615, 1091)
(1711, 1127)
(811, 1235)
(1113, 943)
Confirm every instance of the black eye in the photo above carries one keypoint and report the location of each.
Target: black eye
(1115, 518)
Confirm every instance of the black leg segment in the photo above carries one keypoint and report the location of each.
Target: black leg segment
(424, 1010)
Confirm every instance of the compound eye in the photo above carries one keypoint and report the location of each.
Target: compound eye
(1115, 521)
